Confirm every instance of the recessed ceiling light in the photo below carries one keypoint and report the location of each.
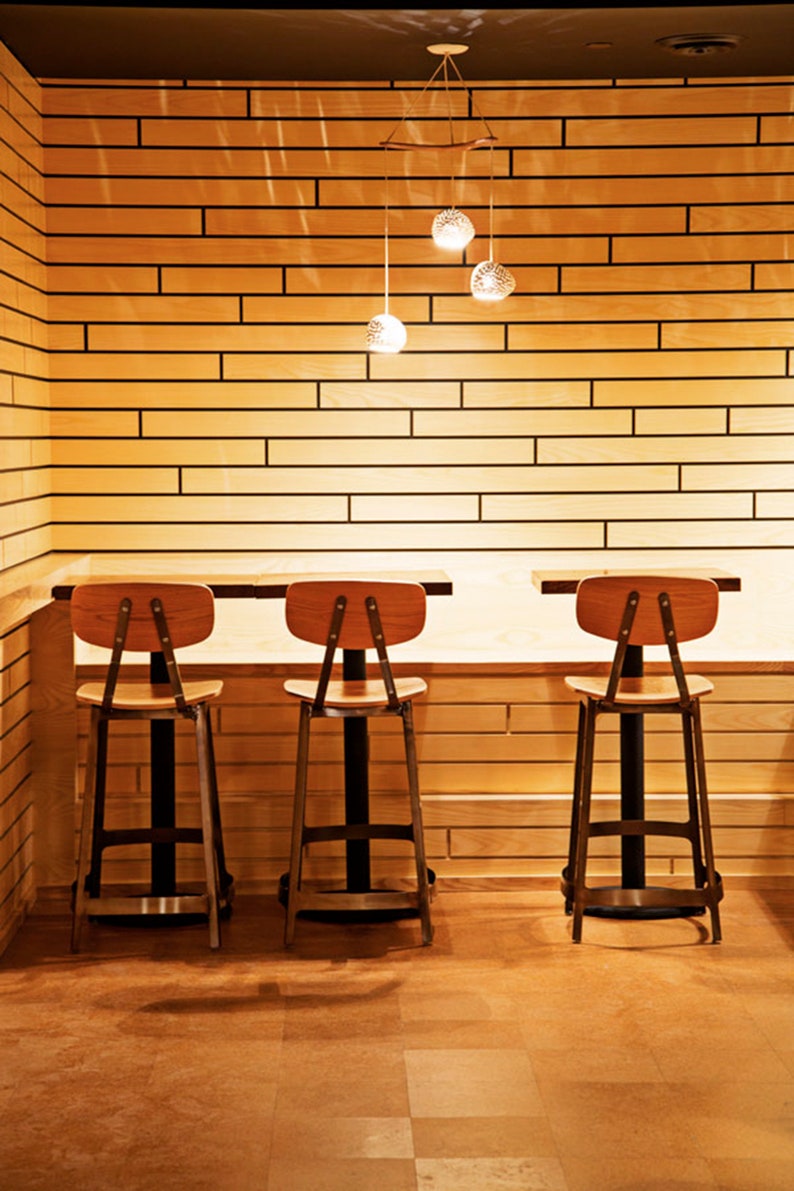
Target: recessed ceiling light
(696, 45)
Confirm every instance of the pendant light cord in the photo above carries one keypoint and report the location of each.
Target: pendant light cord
(490, 206)
(386, 229)
(444, 62)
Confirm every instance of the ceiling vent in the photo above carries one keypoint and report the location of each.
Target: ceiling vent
(699, 45)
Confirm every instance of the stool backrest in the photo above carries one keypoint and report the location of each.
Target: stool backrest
(149, 617)
(189, 609)
(601, 606)
(647, 610)
(355, 614)
(311, 604)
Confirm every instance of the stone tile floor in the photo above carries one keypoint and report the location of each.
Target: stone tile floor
(502, 1058)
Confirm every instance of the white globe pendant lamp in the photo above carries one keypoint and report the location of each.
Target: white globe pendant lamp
(490, 281)
(385, 332)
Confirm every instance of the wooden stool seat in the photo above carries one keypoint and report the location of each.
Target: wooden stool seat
(142, 696)
(357, 692)
(641, 692)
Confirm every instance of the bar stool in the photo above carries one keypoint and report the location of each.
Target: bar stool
(156, 618)
(355, 615)
(635, 611)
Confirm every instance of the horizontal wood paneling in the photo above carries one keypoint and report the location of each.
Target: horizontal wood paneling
(16, 782)
(496, 750)
(25, 512)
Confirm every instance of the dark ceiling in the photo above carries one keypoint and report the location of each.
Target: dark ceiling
(557, 41)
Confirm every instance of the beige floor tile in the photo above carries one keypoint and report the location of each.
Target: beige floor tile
(699, 1061)
(178, 1159)
(333, 1137)
(221, 1082)
(736, 1100)
(483, 1137)
(605, 1063)
(464, 1083)
(493, 1174)
(371, 1010)
(719, 1137)
(774, 1015)
(352, 1174)
(787, 1057)
(74, 1171)
(752, 1174)
(459, 1004)
(614, 1172)
(462, 1035)
(70, 1146)
(613, 1022)
(343, 1079)
(634, 1120)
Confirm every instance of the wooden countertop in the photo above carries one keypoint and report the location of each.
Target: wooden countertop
(267, 586)
(498, 613)
(564, 582)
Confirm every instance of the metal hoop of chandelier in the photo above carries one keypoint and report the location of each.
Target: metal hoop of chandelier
(446, 51)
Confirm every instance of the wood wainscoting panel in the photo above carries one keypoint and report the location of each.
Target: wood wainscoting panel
(17, 890)
(496, 748)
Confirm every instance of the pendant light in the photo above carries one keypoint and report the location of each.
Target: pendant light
(385, 332)
(451, 229)
(490, 281)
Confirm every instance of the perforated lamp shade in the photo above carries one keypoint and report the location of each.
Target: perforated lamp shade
(491, 282)
(452, 229)
(386, 333)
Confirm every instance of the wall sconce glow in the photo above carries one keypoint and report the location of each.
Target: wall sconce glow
(386, 333)
(452, 229)
(491, 282)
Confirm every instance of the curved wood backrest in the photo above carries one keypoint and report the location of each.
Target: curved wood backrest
(601, 602)
(189, 610)
(310, 605)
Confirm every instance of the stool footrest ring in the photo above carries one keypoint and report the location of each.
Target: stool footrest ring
(377, 900)
(650, 897)
(347, 831)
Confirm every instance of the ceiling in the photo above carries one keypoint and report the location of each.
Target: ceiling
(257, 41)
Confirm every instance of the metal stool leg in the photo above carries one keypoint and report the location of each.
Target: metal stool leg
(422, 881)
(568, 873)
(583, 822)
(712, 878)
(87, 827)
(211, 873)
(298, 819)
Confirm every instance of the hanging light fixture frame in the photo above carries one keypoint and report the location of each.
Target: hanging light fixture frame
(451, 227)
(446, 51)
